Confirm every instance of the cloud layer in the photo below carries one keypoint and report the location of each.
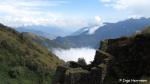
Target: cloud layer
(74, 53)
(135, 7)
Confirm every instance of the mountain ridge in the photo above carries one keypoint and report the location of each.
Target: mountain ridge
(107, 31)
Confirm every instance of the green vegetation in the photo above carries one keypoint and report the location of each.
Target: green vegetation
(146, 30)
(23, 61)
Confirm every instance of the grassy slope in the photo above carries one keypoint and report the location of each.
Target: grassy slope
(146, 30)
(24, 62)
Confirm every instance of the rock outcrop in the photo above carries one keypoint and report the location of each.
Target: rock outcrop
(117, 60)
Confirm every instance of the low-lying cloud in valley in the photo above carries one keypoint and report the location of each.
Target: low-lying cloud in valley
(74, 53)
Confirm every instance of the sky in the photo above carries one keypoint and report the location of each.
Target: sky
(70, 13)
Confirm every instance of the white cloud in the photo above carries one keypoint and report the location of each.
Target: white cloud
(105, 1)
(35, 3)
(93, 29)
(135, 16)
(35, 12)
(133, 7)
(97, 24)
(98, 19)
(24, 12)
(74, 53)
(133, 4)
(95, 21)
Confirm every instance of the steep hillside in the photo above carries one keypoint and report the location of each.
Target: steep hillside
(107, 31)
(23, 61)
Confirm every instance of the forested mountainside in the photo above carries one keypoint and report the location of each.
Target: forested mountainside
(23, 61)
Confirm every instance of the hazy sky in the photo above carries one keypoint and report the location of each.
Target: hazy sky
(70, 13)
